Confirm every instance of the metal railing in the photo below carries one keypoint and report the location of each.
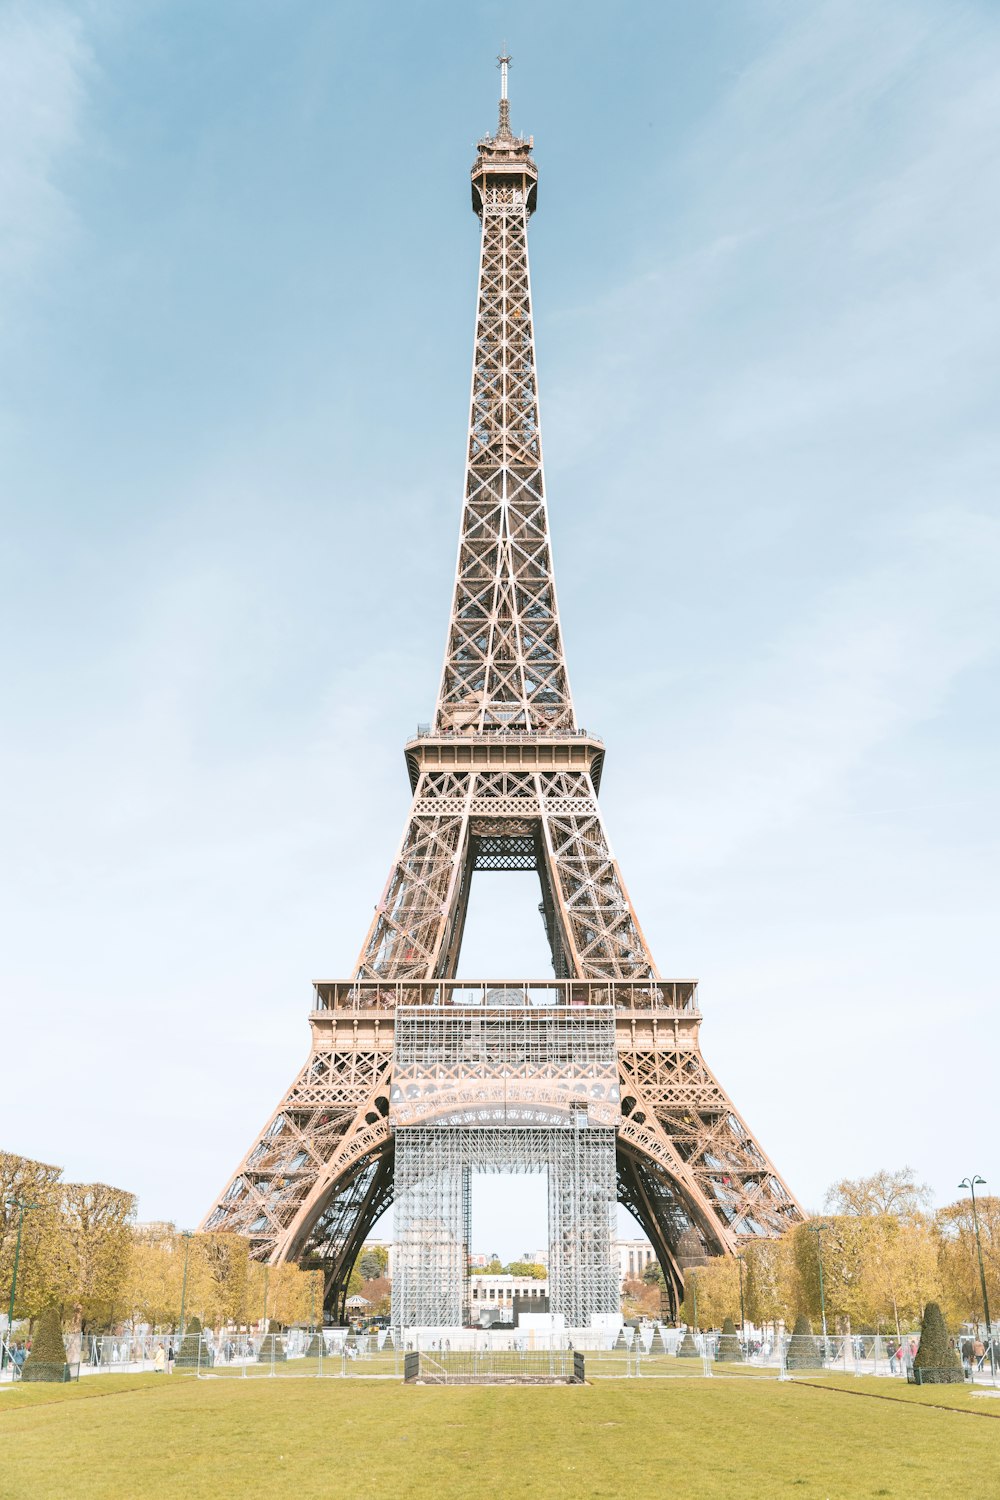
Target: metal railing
(503, 732)
(661, 995)
(495, 1366)
(651, 1352)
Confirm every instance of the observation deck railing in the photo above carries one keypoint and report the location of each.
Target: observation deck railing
(664, 996)
(494, 731)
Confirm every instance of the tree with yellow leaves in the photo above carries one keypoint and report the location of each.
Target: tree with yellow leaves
(88, 1269)
(878, 1270)
(959, 1262)
(36, 1185)
(288, 1290)
(770, 1288)
(716, 1288)
(153, 1287)
(901, 1272)
(222, 1278)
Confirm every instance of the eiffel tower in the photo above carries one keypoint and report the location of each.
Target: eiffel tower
(595, 1074)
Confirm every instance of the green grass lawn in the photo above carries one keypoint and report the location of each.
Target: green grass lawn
(120, 1437)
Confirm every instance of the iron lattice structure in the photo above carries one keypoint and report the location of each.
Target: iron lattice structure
(504, 778)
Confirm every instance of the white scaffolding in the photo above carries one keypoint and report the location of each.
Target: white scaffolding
(503, 1090)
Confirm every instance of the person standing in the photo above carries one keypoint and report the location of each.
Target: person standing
(159, 1360)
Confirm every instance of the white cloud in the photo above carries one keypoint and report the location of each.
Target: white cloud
(44, 64)
(821, 252)
(878, 655)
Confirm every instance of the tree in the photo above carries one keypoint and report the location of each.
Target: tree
(901, 1272)
(884, 1192)
(653, 1277)
(379, 1294)
(803, 1350)
(289, 1294)
(876, 1267)
(729, 1345)
(494, 1268)
(35, 1183)
(771, 1288)
(152, 1292)
(716, 1286)
(47, 1360)
(640, 1298)
(528, 1268)
(88, 1268)
(935, 1359)
(221, 1278)
(374, 1262)
(958, 1258)
(687, 1348)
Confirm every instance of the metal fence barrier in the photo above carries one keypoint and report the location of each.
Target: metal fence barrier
(650, 1352)
(495, 1367)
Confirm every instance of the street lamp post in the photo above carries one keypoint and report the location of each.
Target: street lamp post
(743, 1316)
(971, 1182)
(817, 1230)
(186, 1236)
(22, 1208)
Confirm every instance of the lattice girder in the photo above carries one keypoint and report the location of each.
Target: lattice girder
(598, 933)
(504, 664)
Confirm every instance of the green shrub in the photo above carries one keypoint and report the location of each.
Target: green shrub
(47, 1360)
(687, 1348)
(935, 1358)
(190, 1353)
(729, 1345)
(803, 1352)
(272, 1348)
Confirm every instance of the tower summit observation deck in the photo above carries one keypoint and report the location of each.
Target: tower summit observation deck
(593, 1075)
(505, 157)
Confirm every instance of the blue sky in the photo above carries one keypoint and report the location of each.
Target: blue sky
(237, 273)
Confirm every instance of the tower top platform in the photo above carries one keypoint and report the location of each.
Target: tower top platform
(504, 159)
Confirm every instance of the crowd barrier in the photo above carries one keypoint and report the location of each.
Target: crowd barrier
(651, 1352)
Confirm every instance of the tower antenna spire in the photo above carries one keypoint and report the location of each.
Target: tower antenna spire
(503, 62)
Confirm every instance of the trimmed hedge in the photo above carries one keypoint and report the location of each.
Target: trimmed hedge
(803, 1352)
(729, 1350)
(47, 1359)
(189, 1355)
(935, 1360)
(272, 1349)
